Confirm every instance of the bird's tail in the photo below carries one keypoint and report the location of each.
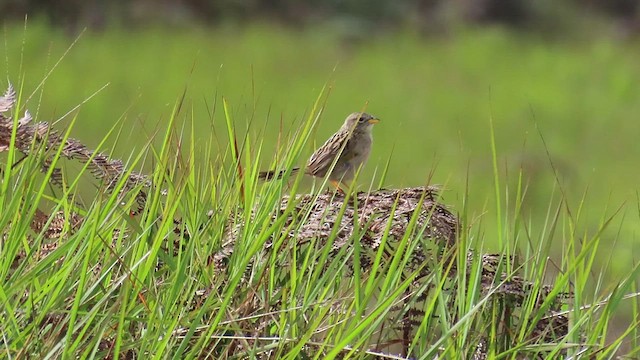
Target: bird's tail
(275, 174)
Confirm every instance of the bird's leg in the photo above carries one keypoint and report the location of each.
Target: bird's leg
(337, 184)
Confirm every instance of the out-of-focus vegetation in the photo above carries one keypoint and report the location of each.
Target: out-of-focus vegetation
(550, 16)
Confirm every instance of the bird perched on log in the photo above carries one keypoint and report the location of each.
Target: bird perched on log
(351, 145)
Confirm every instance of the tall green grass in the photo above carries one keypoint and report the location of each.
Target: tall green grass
(121, 286)
(434, 95)
(119, 283)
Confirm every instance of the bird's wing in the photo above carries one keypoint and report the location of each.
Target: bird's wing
(321, 160)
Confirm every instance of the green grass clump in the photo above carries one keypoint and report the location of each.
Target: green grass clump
(206, 264)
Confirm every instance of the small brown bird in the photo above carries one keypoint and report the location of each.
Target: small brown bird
(351, 144)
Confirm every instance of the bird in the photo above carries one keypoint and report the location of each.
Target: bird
(351, 144)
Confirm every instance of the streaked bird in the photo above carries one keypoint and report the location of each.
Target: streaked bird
(351, 144)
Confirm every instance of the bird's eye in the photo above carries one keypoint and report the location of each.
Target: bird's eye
(362, 119)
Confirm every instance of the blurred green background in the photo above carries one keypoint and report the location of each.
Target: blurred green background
(435, 72)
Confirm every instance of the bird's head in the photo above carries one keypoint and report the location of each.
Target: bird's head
(360, 121)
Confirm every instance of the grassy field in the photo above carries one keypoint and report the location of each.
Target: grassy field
(437, 99)
(563, 114)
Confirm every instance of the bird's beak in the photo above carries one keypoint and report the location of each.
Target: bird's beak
(374, 121)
